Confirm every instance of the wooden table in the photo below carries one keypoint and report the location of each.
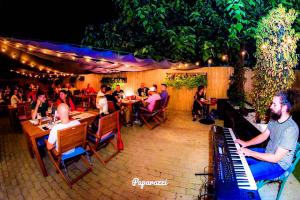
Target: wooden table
(33, 132)
(207, 119)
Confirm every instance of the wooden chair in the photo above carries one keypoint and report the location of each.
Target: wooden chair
(108, 128)
(67, 139)
(111, 106)
(283, 178)
(147, 116)
(23, 111)
(163, 110)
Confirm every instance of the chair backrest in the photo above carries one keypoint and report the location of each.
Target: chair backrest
(108, 123)
(167, 101)
(24, 109)
(157, 105)
(296, 158)
(111, 106)
(71, 137)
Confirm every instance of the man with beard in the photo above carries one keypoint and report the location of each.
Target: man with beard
(272, 161)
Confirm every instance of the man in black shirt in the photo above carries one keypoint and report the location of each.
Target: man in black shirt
(118, 93)
(110, 97)
(143, 91)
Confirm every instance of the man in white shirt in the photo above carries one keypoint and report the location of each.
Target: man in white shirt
(14, 100)
(63, 114)
(101, 101)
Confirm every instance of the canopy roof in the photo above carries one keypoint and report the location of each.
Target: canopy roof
(65, 58)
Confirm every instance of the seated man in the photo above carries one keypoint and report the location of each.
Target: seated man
(152, 97)
(89, 89)
(63, 114)
(40, 105)
(110, 97)
(272, 161)
(163, 94)
(143, 91)
(118, 93)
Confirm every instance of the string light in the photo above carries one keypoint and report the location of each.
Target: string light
(197, 63)
(209, 61)
(243, 53)
(186, 65)
(224, 57)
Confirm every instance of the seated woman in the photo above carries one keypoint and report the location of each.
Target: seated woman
(198, 106)
(64, 98)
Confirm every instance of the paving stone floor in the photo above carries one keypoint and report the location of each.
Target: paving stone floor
(174, 151)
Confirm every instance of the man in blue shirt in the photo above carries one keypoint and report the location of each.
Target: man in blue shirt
(163, 94)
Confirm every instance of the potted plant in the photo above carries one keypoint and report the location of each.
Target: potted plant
(276, 57)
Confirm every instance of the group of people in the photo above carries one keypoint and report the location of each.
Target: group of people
(105, 94)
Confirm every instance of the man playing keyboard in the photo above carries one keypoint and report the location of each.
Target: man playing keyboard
(272, 161)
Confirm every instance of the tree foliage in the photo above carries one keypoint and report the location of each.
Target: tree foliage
(276, 56)
(183, 30)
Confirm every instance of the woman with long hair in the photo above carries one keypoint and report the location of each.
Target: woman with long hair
(64, 98)
(198, 106)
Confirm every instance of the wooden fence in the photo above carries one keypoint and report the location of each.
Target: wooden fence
(181, 99)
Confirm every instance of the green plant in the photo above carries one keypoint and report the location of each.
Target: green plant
(185, 80)
(276, 56)
(113, 82)
(236, 93)
(183, 30)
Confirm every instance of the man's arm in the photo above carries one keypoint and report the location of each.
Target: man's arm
(257, 140)
(35, 110)
(269, 157)
(49, 145)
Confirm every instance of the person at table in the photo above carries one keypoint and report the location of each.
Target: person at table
(40, 105)
(143, 91)
(64, 98)
(14, 100)
(63, 114)
(101, 101)
(198, 105)
(163, 94)
(283, 132)
(89, 89)
(152, 97)
(110, 97)
(118, 93)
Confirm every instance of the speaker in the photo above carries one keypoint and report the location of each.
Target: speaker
(81, 78)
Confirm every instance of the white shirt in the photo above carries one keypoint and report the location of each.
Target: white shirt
(14, 100)
(53, 133)
(101, 103)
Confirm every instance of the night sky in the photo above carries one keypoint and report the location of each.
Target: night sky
(52, 20)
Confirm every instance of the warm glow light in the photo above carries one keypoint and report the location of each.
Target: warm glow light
(197, 63)
(58, 55)
(87, 58)
(32, 65)
(48, 71)
(18, 45)
(210, 61)
(186, 65)
(13, 56)
(3, 50)
(5, 42)
(45, 51)
(243, 53)
(224, 57)
(263, 46)
(73, 57)
(23, 61)
(129, 92)
(30, 48)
